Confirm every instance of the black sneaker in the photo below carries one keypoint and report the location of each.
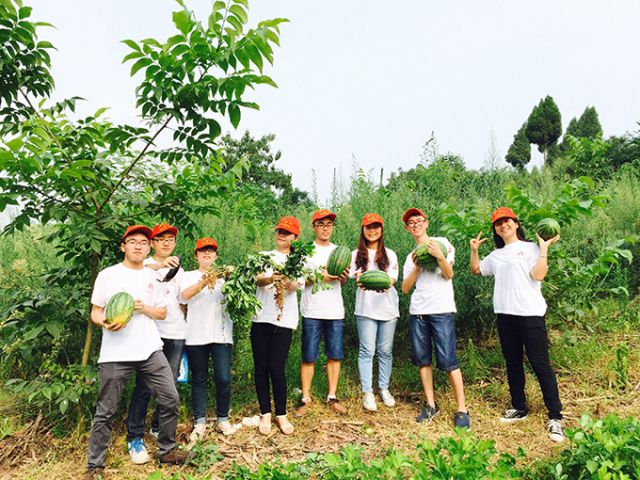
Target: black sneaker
(513, 415)
(428, 413)
(462, 420)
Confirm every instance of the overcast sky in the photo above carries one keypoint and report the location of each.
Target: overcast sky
(373, 79)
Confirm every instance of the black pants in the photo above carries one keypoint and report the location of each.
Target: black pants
(529, 334)
(270, 344)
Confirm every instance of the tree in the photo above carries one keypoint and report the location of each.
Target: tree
(519, 153)
(544, 126)
(89, 177)
(587, 126)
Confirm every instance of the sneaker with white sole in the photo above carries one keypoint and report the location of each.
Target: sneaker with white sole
(369, 402)
(228, 428)
(556, 430)
(199, 430)
(511, 415)
(138, 452)
(387, 398)
(154, 433)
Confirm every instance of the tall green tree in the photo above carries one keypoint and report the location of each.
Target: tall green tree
(586, 126)
(519, 153)
(544, 126)
(89, 177)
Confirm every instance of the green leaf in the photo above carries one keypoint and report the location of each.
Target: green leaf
(132, 44)
(182, 20)
(240, 12)
(234, 114)
(143, 62)
(63, 405)
(53, 329)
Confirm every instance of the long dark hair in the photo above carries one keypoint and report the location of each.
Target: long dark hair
(362, 257)
(519, 232)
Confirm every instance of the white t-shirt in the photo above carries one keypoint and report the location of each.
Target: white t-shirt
(269, 311)
(377, 305)
(434, 292)
(173, 326)
(514, 291)
(139, 338)
(207, 319)
(324, 304)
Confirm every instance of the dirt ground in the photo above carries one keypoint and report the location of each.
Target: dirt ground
(37, 455)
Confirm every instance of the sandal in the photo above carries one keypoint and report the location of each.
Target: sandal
(265, 424)
(284, 424)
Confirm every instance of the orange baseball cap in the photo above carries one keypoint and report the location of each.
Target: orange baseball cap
(290, 224)
(322, 213)
(143, 229)
(163, 228)
(370, 218)
(412, 212)
(503, 212)
(206, 242)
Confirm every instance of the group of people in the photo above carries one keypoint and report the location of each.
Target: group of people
(186, 312)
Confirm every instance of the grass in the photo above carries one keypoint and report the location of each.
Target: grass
(585, 375)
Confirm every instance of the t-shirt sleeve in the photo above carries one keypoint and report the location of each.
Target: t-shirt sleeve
(487, 266)
(533, 254)
(408, 266)
(99, 295)
(160, 294)
(393, 265)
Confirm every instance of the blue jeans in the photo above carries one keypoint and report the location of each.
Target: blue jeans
(439, 329)
(314, 329)
(198, 355)
(376, 336)
(172, 350)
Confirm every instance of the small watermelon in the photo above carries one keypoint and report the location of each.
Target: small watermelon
(376, 280)
(548, 228)
(119, 309)
(339, 260)
(425, 259)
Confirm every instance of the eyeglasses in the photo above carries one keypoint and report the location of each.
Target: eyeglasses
(168, 240)
(415, 223)
(324, 225)
(141, 243)
(207, 249)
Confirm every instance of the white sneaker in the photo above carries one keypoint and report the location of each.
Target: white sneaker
(228, 428)
(387, 398)
(198, 433)
(369, 402)
(556, 431)
(154, 434)
(138, 452)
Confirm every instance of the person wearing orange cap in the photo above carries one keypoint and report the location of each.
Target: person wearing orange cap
(132, 347)
(209, 335)
(519, 267)
(171, 329)
(432, 318)
(272, 331)
(322, 315)
(376, 312)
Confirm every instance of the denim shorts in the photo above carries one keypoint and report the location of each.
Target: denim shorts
(439, 329)
(312, 330)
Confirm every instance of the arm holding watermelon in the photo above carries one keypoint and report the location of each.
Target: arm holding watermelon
(539, 270)
(99, 319)
(156, 313)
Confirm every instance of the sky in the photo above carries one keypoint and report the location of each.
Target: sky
(371, 80)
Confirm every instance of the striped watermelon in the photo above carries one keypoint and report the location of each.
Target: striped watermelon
(339, 260)
(425, 259)
(376, 280)
(548, 228)
(119, 309)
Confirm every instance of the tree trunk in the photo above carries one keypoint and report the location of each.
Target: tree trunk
(87, 340)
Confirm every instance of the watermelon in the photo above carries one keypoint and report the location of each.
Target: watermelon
(425, 259)
(375, 280)
(548, 228)
(339, 260)
(119, 309)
